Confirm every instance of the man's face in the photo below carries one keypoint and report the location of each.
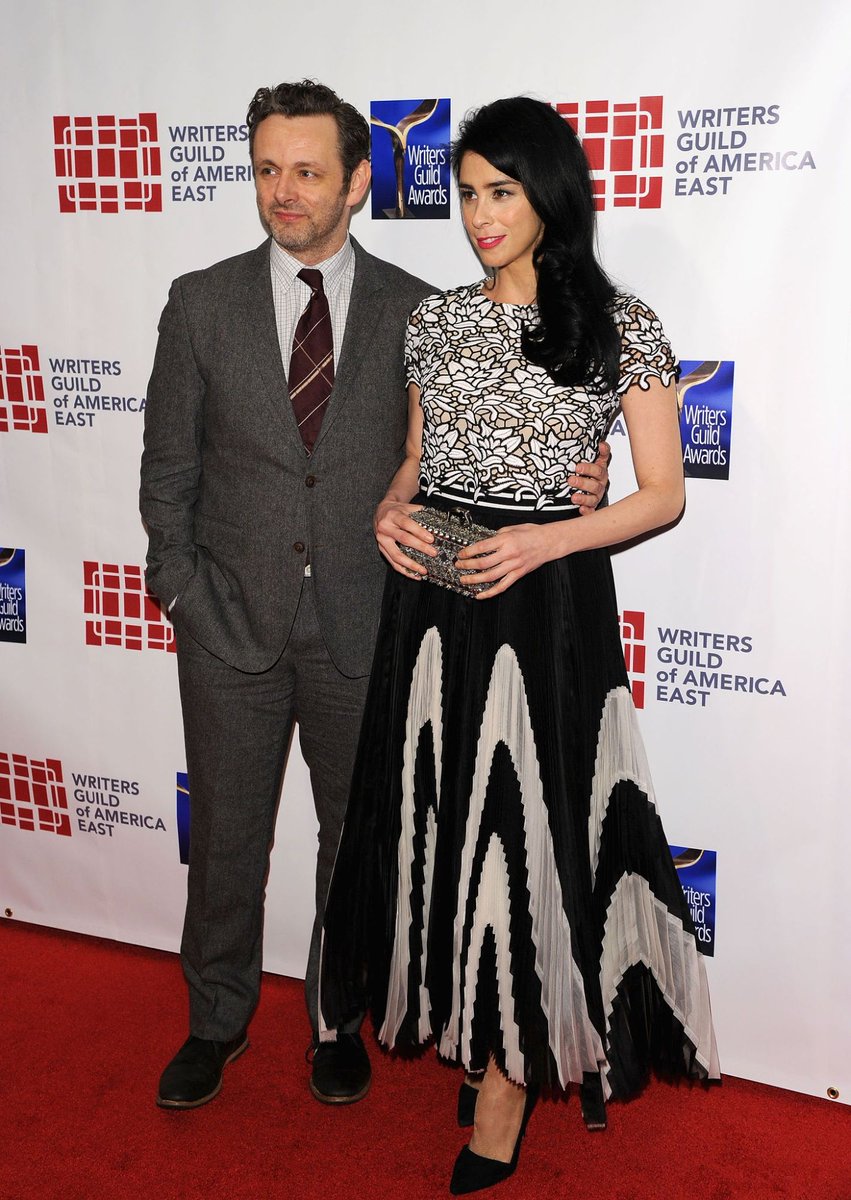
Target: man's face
(298, 175)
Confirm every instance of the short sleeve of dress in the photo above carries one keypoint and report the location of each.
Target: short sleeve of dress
(645, 351)
(414, 348)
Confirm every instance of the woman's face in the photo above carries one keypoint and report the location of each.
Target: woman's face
(499, 220)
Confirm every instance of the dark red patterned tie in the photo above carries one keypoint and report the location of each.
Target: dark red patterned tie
(312, 362)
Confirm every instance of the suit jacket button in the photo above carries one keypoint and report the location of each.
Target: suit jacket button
(310, 481)
(298, 547)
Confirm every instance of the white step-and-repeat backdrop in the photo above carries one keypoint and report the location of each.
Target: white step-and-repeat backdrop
(719, 141)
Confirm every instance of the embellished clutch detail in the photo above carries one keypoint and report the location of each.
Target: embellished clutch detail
(452, 531)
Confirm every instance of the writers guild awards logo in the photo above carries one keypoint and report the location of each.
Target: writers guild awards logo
(625, 148)
(108, 164)
(120, 611)
(104, 804)
(13, 596)
(183, 803)
(697, 870)
(32, 795)
(634, 652)
(21, 391)
(206, 156)
(689, 666)
(80, 390)
(718, 145)
(410, 159)
(705, 398)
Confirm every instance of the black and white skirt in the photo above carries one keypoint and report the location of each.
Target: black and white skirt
(503, 884)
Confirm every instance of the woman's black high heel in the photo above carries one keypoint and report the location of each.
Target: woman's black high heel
(593, 1103)
(467, 1097)
(472, 1172)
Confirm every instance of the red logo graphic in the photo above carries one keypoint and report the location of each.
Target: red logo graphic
(120, 611)
(625, 148)
(108, 164)
(21, 391)
(634, 652)
(32, 794)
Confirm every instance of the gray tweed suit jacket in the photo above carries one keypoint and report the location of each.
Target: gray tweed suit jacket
(232, 504)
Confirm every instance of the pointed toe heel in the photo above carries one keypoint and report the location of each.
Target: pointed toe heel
(473, 1173)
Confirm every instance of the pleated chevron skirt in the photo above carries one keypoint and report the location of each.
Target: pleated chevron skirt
(503, 884)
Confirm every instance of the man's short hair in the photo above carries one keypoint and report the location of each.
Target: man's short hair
(311, 99)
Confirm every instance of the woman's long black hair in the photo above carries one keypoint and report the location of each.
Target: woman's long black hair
(575, 338)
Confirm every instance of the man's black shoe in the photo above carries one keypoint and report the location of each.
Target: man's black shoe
(341, 1073)
(194, 1075)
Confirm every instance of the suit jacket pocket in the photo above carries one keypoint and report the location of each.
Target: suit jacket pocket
(209, 587)
(212, 531)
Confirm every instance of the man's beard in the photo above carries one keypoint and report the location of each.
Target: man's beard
(309, 234)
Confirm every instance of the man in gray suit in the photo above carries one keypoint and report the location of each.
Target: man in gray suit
(261, 545)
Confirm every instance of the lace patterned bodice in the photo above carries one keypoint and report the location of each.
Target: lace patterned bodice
(496, 429)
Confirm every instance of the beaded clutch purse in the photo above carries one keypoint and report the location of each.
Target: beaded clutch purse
(452, 532)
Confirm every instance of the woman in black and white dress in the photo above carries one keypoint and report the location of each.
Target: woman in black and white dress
(504, 885)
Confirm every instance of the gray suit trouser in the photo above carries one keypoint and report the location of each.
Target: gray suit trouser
(238, 728)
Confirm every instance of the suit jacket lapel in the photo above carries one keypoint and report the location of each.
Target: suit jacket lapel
(362, 321)
(256, 332)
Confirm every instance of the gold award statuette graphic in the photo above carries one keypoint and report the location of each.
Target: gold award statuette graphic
(687, 858)
(399, 138)
(699, 375)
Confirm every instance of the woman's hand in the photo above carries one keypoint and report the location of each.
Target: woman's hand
(392, 521)
(509, 555)
(591, 480)
(392, 524)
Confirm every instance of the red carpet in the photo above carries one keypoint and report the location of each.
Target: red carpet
(87, 1026)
